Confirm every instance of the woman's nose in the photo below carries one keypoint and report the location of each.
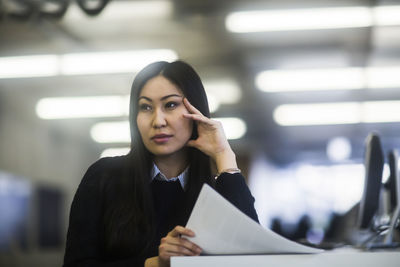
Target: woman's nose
(159, 119)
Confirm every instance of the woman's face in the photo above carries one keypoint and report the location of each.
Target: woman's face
(160, 120)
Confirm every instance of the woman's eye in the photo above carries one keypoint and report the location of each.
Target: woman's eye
(144, 107)
(171, 105)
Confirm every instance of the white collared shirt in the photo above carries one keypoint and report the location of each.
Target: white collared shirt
(157, 174)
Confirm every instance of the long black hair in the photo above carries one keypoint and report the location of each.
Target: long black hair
(128, 218)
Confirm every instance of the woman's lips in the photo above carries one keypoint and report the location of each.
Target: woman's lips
(161, 138)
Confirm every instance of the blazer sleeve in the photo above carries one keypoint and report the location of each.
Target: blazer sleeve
(234, 188)
(84, 237)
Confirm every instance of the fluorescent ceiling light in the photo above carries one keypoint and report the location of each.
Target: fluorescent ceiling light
(82, 63)
(380, 111)
(234, 128)
(337, 113)
(112, 62)
(317, 114)
(28, 66)
(383, 77)
(119, 132)
(82, 107)
(123, 10)
(118, 106)
(111, 132)
(328, 79)
(312, 19)
(386, 15)
(112, 152)
(226, 90)
(223, 91)
(138, 9)
(308, 80)
(298, 19)
(213, 103)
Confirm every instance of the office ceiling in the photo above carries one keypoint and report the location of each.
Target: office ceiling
(196, 31)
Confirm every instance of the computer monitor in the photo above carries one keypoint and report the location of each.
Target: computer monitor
(394, 190)
(393, 181)
(374, 161)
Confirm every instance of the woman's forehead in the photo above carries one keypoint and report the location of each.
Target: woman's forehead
(159, 87)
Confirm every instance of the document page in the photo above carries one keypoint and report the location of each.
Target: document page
(221, 228)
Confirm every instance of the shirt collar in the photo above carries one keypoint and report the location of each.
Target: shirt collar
(157, 174)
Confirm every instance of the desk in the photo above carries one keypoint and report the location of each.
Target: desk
(339, 257)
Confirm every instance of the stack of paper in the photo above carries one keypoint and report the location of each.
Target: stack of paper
(221, 228)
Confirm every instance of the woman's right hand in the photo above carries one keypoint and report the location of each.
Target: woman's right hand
(175, 244)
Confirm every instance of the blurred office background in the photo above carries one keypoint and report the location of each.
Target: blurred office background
(298, 85)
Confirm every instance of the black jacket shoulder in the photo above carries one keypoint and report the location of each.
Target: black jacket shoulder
(102, 168)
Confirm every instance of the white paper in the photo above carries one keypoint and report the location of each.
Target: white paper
(221, 228)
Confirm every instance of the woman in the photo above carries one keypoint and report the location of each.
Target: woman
(130, 210)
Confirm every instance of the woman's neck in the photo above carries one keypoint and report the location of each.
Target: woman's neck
(172, 165)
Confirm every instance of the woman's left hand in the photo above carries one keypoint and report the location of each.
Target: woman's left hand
(176, 244)
(211, 138)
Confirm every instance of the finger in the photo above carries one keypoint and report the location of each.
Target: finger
(180, 230)
(167, 250)
(199, 118)
(190, 107)
(192, 143)
(183, 250)
(180, 249)
(167, 255)
(181, 242)
(197, 145)
(176, 246)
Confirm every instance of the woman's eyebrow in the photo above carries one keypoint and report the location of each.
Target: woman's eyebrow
(162, 98)
(172, 95)
(146, 98)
